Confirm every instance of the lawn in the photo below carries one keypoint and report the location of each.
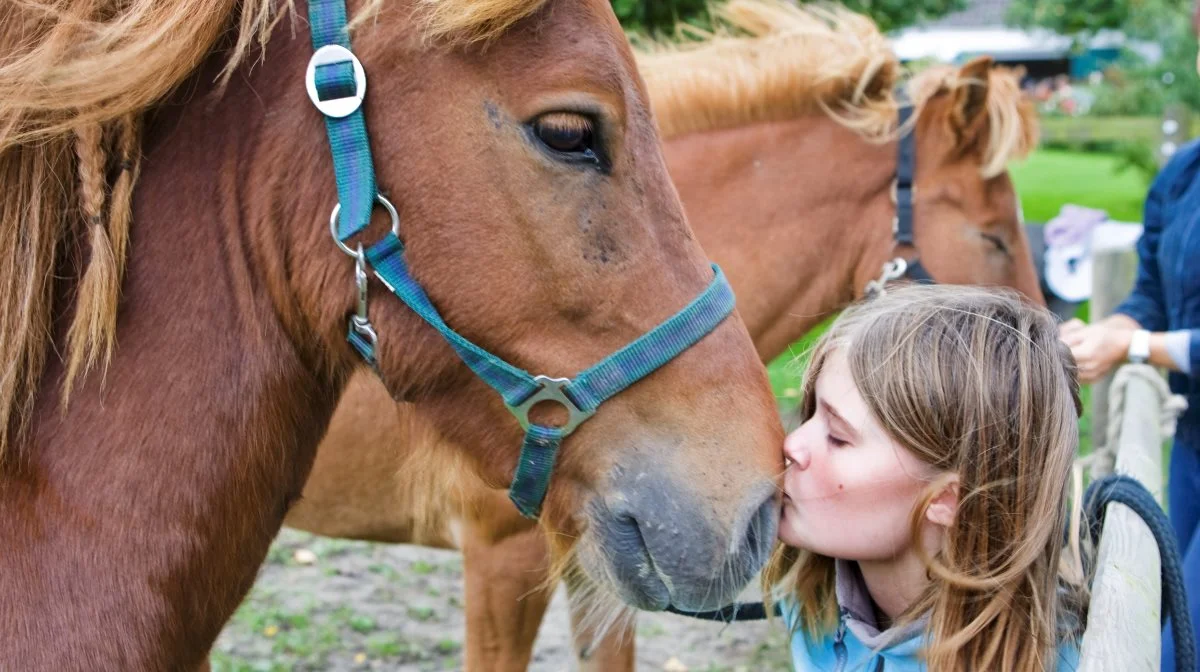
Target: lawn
(1045, 181)
(1050, 178)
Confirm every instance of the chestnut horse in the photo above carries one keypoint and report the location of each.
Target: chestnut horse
(514, 136)
(783, 149)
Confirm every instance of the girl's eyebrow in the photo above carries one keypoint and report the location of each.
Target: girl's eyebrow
(838, 418)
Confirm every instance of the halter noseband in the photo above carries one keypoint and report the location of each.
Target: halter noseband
(903, 190)
(337, 85)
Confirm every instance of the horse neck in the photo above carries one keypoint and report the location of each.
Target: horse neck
(169, 476)
(797, 213)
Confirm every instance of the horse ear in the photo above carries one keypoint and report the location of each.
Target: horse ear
(970, 99)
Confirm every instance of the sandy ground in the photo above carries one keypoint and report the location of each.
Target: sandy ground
(324, 604)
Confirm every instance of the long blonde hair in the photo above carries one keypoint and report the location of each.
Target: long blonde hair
(974, 382)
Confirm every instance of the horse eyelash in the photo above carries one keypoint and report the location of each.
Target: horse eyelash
(997, 241)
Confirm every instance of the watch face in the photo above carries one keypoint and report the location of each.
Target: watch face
(1139, 346)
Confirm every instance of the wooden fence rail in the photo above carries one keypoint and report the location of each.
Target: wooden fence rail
(1165, 133)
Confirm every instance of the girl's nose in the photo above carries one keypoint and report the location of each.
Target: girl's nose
(795, 447)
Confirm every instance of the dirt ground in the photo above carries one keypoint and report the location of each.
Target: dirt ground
(325, 604)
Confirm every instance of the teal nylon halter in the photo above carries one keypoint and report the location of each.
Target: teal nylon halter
(336, 84)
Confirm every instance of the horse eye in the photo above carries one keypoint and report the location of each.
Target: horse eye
(565, 132)
(996, 241)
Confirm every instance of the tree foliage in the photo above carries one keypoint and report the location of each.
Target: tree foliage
(660, 16)
(1148, 86)
(1137, 18)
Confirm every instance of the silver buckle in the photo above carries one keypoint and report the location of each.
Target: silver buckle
(336, 107)
(360, 322)
(551, 390)
(892, 270)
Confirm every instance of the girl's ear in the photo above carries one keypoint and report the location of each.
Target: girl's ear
(944, 506)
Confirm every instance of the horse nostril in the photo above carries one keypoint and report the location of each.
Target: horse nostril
(760, 531)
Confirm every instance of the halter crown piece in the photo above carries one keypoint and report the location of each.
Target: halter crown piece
(337, 85)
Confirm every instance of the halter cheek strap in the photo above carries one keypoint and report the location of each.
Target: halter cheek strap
(336, 84)
(903, 227)
(903, 224)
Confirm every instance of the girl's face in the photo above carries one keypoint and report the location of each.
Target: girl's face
(849, 488)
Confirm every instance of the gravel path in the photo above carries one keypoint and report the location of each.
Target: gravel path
(325, 604)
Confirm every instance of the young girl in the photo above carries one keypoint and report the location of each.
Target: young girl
(924, 497)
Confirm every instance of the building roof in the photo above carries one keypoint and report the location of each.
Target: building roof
(978, 13)
(981, 28)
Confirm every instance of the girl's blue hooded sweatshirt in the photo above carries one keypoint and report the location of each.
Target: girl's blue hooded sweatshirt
(859, 646)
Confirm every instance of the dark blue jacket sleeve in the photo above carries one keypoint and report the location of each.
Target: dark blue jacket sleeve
(1194, 354)
(1146, 305)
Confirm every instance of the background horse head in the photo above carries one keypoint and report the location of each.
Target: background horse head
(515, 139)
(783, 124)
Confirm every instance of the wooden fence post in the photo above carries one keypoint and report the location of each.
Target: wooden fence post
(1123, 631)
(1114, 269)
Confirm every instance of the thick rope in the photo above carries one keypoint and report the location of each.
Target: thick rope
(1118, 488)
(1102, 460)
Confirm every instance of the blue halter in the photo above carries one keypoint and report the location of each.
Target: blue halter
(337, 84)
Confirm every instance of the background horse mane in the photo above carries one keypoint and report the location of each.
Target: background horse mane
(76, 79)
(1012, 128)
(770, 60)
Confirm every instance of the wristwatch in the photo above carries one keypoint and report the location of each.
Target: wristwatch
(1139, 347)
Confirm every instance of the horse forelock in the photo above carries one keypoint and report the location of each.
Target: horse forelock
(1012, 124)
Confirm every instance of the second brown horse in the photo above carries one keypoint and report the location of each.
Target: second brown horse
(783, 148)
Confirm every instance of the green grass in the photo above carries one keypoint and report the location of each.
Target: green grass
(1048, 179)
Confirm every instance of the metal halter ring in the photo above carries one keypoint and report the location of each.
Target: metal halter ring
(333, 218)
(552, 390)
(894, 191)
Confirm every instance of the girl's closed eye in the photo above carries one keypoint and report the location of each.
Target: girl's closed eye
(837, 442)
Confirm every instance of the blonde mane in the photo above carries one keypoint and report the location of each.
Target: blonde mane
(1012, 118)
(76, 77)
(771, 60)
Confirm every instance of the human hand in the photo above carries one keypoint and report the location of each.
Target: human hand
(1097, 348)
(1071, 326)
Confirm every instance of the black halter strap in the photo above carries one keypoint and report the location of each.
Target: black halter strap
(906, 165)
(906, 168)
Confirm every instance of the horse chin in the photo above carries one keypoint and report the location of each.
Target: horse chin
(627, 572)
